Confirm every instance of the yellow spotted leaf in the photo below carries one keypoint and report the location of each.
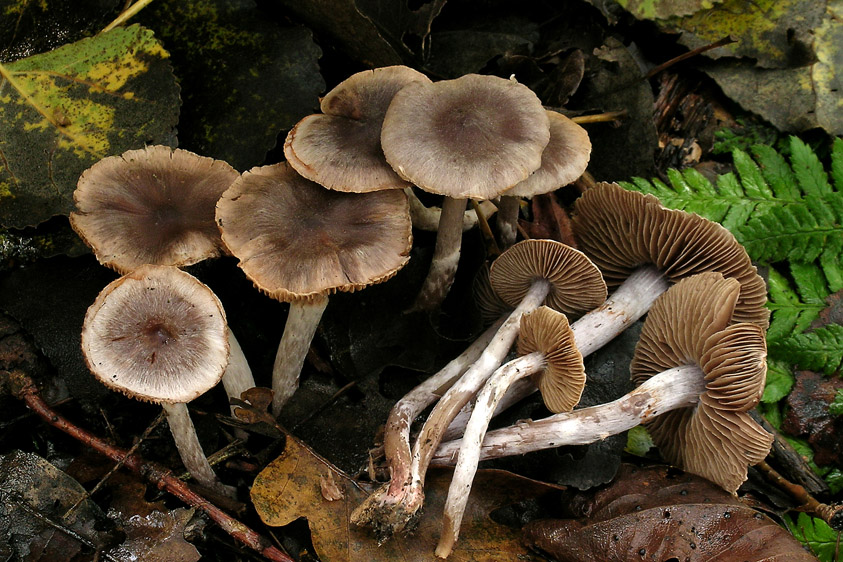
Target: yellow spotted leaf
(62, 111)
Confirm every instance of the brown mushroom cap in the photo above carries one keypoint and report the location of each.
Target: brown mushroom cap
(690, 324)
(153, 205)
(156, 334)
(341, 148)
(564, 159)
(576, 283)
(562, 380)
(297, 240)
(621, 230)
(472, 137)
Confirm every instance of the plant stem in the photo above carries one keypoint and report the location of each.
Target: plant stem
(127, 14)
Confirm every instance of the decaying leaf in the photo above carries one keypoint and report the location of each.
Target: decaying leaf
(663, 9)
(808, 416)
(292, 487)
(156, 537)
(63, 110)
(655, 514)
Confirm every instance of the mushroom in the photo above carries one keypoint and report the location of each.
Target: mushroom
(341, 147)
(532, 272)
(159, 335)
(548, 355)
(564, 159)
(472, 137)
(156, 206)
(710, 373)
(298, 242)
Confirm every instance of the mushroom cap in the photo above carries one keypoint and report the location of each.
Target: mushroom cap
(621, 230)
(152, 205)
(341, 148)
(471, 137)
(297, 240)
(691, 324)
(156, 334)
(564, 159)
(562, 380)
(576, 285)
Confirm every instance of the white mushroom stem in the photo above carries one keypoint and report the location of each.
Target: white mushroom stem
(190, 451)
(396, 440)
(674, 388)
(427, 218)
(508, 220)
(238, 375)
(630, 301)
(466, 467)
(302, 321)
(446, 256)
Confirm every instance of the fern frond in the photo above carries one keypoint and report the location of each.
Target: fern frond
(792, 311)
(819, 350)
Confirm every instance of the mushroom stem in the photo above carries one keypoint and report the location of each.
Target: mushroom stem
(190, 451)
(630, 301)
(302, 321)
(469, 457)
(427, 218)
(238, 375)
(671, 389)
(508, 220)
(446, 256)
(396, 439)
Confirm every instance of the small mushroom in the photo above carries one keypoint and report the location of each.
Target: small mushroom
(341, 147)
(159, 335)
(564, 159)
(472, 137)
(548, 355)
(533, 272)
(298, 242)
(699, 375)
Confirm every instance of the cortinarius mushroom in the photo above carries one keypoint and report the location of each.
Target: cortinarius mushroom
(159, 335)
(298, 242)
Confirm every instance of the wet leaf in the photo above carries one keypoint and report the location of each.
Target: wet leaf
(156, 537)
(244, 78)
(64, 110)
(35, 498)
(654, 514)
(405, 28)
(28, 28)
(808, 416)
(663, 9)
(292, 486)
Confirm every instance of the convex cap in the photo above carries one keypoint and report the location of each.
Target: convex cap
(562, 380)
(297, 240)
(471, 137)
(156, 334)
(341, 147)
(153, 205)
(621, 230)
(576, 285)
(690, 324)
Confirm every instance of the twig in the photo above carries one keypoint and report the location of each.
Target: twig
(127, 14)
(699, 50)
(24, 389)
(484, 228)
(831, 514)
(327, 403)
(608, 116)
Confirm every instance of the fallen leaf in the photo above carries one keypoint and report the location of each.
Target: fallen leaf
(62, 111)
(291, 487)
(808, 416)
(655, 514)
(156, 537)
(550, 220)
(663, 9)
(244, 78)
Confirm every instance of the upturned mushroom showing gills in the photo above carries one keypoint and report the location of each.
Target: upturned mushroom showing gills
(472, 137)
(159, 335)
(548, 355)
(535, 272)
(341, 147)
(298, 242)
(699, 375)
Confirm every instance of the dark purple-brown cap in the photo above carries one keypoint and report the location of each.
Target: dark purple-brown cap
(156, 334)
(691, 324)
(576, 285)
(297, 240)
(621, 230)
(471, 137)
(341, 147)
(152, 205)
(562, 380)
